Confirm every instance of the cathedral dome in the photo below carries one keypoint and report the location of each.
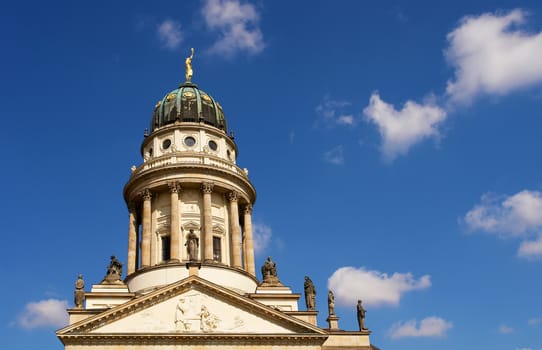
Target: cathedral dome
(188, 104)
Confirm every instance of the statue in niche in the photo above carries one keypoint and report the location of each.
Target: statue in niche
(192, 244)
(114, 272)
(331, 303)
(310, 294)
(79, 293)
(361, 316)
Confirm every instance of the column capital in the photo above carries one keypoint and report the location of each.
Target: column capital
(207, 187)
(146, 194)
(174, 187)
(233, 196)
(248, 209)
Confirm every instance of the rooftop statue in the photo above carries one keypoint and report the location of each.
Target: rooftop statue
(331, 303)
(188, 65)
(310, 294)
(361, 316)
(79, 293)
(114, 272)
(269, 273)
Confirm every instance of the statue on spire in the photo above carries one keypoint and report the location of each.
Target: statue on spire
(188, 65)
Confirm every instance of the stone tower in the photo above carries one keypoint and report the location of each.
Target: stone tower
(190, 274)
(189, 194)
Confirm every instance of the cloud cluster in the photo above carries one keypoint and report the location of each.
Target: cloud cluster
(428, 327)
(518, 216)
(44, 313)
(490, 55)
(335, 155)
(169, 33)
(375, 288)
(262, 236)
(238, 25)
(504, 329)
(332, 113)
(401, 129)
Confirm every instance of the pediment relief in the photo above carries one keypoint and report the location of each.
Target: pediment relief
(192, 306)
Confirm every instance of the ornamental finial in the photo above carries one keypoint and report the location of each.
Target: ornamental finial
(188, 64)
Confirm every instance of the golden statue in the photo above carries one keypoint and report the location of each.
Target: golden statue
(188, 64)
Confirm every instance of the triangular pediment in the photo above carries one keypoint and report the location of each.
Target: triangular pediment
(190, 307)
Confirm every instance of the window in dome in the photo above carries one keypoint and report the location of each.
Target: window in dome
(166, 143)
(170, 110)
(189, 141)
(213, 145)
(189, 105)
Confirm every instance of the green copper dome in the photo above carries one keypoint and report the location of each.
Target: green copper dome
(188, 104)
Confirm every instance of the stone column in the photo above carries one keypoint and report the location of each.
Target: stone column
(207, 189)
(249, 242)
(146, 228)
(132, 240)
(174, 188)
(235, 231)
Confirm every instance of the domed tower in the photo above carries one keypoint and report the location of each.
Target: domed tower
(190, 204)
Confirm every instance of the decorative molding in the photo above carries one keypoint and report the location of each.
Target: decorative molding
(248, 209)
(174, 187)
(207, 187)
(146, 194)
(233, 196)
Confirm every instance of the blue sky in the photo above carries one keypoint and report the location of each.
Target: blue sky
(395, 147)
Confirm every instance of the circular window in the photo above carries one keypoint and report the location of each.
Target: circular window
(166, 143)
(213, 145)
(189, 141)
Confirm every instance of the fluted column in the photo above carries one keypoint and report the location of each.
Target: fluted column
(146, 224)
(249, 242)
(174, 188)
(132, 239)
(207, 189)
(235, 230)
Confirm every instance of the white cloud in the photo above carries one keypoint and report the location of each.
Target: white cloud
(335, 155)
(262, 236)
(492, 55)
(169, 33)
(531, 248)
(332, 113)
(519, 216)
(534, 321)
(428, 327)
(237, 24)
(375, 288)
(44, 313)
(516, 215)
(504, 329)
(401, 129)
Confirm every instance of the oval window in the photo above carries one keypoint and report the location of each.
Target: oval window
(213, 145)
(166, 143)
(189, 141)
